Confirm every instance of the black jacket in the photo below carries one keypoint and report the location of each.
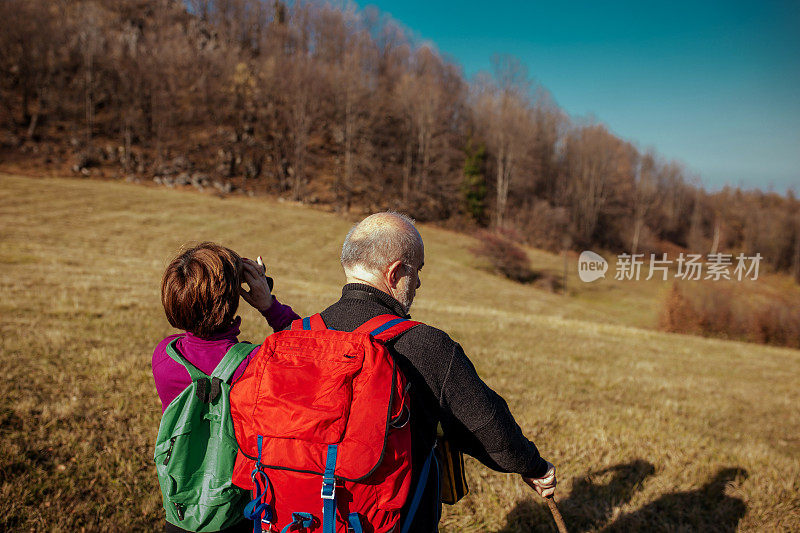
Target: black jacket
(444, 388)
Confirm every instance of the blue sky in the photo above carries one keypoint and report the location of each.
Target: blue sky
(715, 85)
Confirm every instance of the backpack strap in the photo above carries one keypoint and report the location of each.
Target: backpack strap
(328, 492)
(208, 387)
(386, 327)
(309, 323)
(227, 367)
(194, 372)
(420, 489)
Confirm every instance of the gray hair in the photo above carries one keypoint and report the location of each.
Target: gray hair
(381, 239)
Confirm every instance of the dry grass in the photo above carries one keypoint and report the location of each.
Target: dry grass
(650, 430)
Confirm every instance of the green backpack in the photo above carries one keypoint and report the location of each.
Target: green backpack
(196, 448)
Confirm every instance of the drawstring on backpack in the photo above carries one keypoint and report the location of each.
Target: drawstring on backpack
(257, 510)
(300, 521)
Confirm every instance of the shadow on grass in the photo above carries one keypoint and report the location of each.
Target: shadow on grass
(591, 503)
(705, 509)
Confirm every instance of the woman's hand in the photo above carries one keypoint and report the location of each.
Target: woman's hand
(254, 276)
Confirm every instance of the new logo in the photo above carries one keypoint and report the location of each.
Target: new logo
(591, 266)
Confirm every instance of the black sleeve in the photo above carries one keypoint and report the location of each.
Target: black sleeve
(478, 421)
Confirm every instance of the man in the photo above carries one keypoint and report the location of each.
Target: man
(382, 257)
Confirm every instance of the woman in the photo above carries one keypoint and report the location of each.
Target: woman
(200, 293)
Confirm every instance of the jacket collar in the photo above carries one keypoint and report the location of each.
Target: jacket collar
(362, 291)
(226, 335)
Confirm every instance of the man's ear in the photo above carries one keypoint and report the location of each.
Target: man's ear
(394, 273)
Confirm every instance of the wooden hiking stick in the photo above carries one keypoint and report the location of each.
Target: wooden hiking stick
(551, 503)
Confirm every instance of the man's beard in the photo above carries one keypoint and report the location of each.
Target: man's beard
(406, 293)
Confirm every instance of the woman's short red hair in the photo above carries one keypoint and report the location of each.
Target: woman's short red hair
(200, 289)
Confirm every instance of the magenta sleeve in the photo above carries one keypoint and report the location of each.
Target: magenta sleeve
(280, 316)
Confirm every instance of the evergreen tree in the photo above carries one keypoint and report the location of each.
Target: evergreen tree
(473, 188)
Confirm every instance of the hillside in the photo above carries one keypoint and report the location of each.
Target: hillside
(330, 104)
(649, 431)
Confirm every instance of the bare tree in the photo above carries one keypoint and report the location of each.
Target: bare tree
(503, 115)
(644, 193)
(420, 94)
(91, 43)
(591, 156)
(674, 206)
(301, 108)
(352, 59)
(796, 252)
(696, 235)
(550, 123)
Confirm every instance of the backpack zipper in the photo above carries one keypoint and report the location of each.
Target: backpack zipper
(169, 452)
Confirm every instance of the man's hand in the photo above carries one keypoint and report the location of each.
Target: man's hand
(254, 275)
(544, 486)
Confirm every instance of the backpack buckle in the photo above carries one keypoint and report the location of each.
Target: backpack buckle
(328, 491)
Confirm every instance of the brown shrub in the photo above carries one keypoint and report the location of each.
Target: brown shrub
(776, 323)
(505, 257)
(677, 313)
(719, 311)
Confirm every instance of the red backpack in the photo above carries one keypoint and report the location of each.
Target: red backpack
(321, 420)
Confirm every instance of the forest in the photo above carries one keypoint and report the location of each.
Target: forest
(330, 104)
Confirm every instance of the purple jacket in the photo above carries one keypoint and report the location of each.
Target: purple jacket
(205, 353)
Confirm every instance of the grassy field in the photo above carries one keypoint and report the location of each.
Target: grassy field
(650, 431)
